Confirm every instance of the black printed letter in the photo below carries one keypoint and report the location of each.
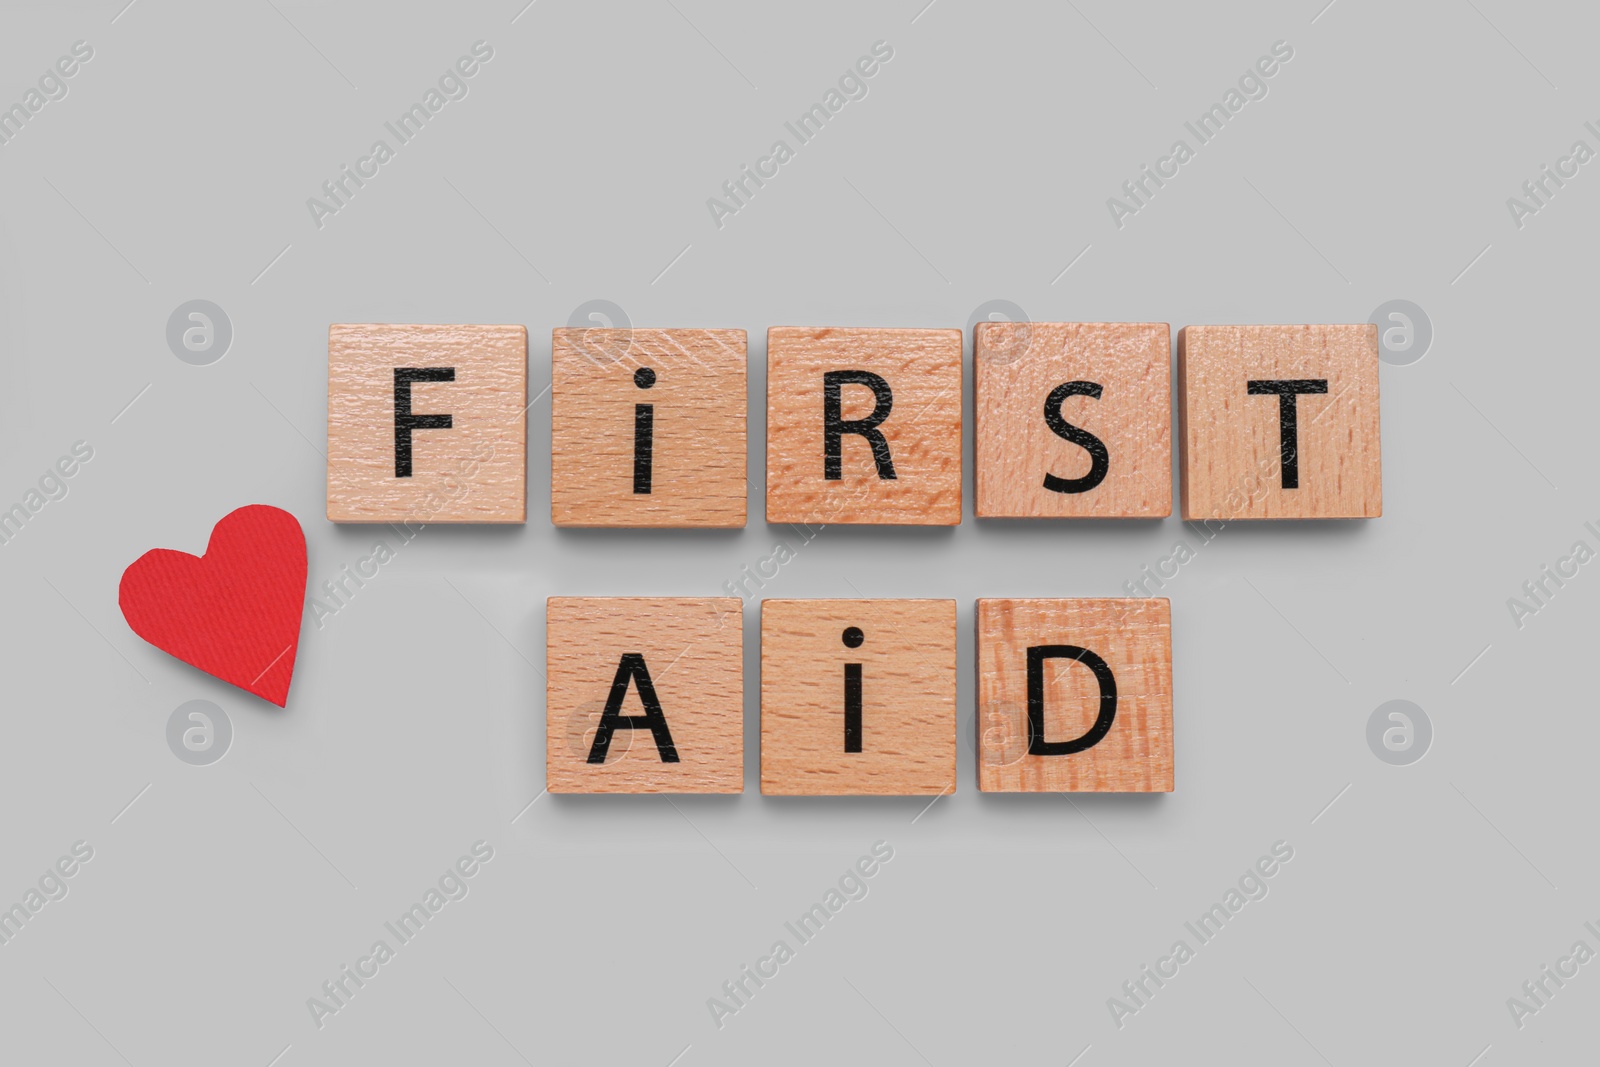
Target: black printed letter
(1288, 422)
(632, 668)
(834, 427)
(1037, 745)
(644, 419)
(404, 421)
(1099, 458)
(852, 638)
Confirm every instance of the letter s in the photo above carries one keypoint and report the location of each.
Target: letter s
(1099, 458)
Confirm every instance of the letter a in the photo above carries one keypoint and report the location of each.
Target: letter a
(632, 668)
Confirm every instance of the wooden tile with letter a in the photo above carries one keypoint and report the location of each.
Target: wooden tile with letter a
(1279, 422)
(427, 423)
(647, 427)
(644, 695)
(857, 697)
(1075, 696)
(1074, 419)
(864, 426)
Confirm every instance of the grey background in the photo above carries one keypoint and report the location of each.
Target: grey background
(977, 168)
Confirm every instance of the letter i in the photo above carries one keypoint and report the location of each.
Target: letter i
(644, 417)
(852, 638)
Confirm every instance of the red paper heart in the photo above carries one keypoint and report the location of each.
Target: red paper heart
(235, 611)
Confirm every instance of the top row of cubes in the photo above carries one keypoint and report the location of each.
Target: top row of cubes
(1074, 420)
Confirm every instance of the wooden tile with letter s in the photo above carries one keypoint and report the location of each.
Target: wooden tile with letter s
(1279, 422)
(427, 423)
(647, 428)
(644, 695)
(1073, 419)
(858, 697)
(864, 426)
(1075, 696)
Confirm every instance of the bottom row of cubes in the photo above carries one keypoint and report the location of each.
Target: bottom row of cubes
(646, 695)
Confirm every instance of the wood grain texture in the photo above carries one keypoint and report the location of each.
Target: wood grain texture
(476, 471)
(908, 697)
(1020, 364)
(923, 429)
(693, 649)
(1232, 468)
(1134, 638)
(697, 397)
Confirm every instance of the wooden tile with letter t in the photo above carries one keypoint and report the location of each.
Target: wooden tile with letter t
(1279, 422)
(864, 426)
(647, 427)
(858, 697)
(1074, 419)
(427, 423)
(644, 695)
(1075, 696)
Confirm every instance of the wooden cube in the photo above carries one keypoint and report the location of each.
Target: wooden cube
(427, 423)
(644, 695)
(858, 697)
(1279, 422)
(1074, 419)
(864, 426)
(647, 428)
(1075, 696)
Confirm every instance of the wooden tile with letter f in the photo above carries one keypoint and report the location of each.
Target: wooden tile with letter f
(1075, 696)
(427, 423)
(644, 695)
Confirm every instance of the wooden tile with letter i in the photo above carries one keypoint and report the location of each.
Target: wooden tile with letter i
(1075, 696)
(1074, 419)
(644, 695)
(427, 423)
(647, 427)
(858, 697)
(864, 426)
(1279, 422)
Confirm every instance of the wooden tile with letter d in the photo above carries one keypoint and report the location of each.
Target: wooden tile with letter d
(644, 695)
(858, 696)
(1075, 696)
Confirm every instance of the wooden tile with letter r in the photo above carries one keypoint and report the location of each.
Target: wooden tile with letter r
(1279, 422)
(858, 697)
(647, 427)
(427, 423)
(1074, 419)
(864, 426)
(1075, 696)
(644, 695)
